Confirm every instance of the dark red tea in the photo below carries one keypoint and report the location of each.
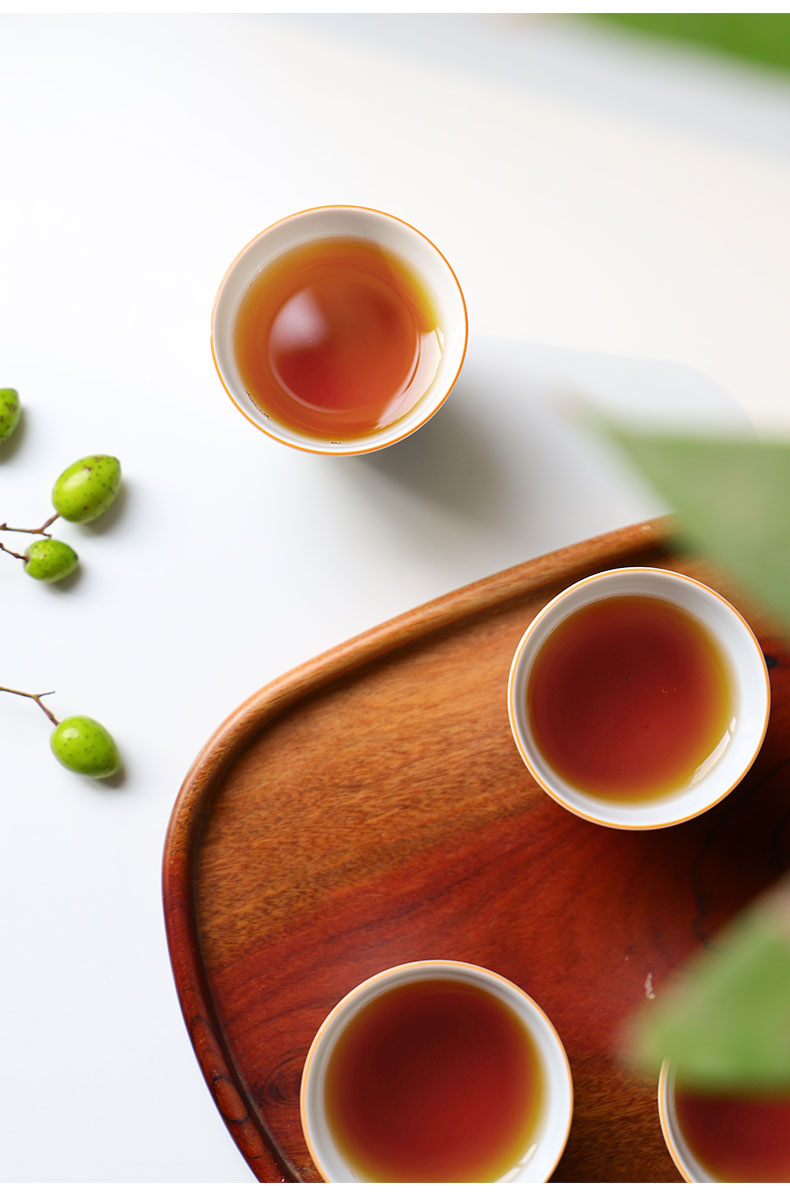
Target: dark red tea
(336, 338)
(737, 1139)
(629, 697)
(434, 1081)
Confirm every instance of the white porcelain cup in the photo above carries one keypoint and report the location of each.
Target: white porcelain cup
(739, 1132)
(682, 1156)
(750, 683)
(557, 1108)
(395, 236)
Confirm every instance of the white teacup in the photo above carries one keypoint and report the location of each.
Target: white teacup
(682, 1156)
(393, 235)
(556, 1111)
(731, 1132)
(750, 683)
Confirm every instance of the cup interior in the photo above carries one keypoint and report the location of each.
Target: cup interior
(399, 238)
(552, 1132)
(682, 1156)
(749, 679)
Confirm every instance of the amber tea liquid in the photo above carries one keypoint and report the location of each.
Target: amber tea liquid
(437, 1080)
(738, 1139)
(336, 339)
(629, 698)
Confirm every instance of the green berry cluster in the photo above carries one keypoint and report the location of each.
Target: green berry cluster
(83, 492)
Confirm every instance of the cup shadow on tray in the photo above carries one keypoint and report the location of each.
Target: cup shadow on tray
(508, 455)
(503, 456)
(452, 462)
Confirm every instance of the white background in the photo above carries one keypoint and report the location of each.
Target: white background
(617, 216)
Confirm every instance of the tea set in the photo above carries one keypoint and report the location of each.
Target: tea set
(319, 340)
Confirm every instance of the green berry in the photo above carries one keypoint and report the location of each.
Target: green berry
(87, 488)
(10, 413)
(85, 746)
(49, 560)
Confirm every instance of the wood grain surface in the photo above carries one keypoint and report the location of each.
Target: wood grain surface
(370, 808)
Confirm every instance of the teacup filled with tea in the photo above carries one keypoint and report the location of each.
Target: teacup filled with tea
(339, 330)
(436, 1071)
(717, 1136)
(638, 698)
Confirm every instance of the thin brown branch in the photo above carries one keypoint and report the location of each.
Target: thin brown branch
(36, 699)
(15, 555)
(41, 529)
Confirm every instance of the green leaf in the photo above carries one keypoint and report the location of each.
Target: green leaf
(732, 500)
(725, 1022)
(762, 38)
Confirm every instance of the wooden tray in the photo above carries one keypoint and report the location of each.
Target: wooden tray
(370, 808)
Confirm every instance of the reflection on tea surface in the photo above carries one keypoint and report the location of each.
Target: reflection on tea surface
(629, 698)
(336, 339)
(436, 1080)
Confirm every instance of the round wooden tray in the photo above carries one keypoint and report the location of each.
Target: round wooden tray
(370, 808)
